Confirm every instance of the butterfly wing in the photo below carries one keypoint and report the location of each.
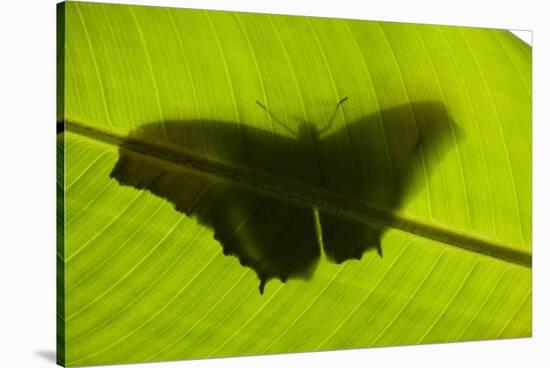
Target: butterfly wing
(274, 238)
(377, 159)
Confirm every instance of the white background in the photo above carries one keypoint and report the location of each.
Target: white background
(27, 180)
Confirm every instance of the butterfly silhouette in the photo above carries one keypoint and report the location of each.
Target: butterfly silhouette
(375, 159)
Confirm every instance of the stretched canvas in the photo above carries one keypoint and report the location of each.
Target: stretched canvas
(236, 184)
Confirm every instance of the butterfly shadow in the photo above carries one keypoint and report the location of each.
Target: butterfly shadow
(380, 159)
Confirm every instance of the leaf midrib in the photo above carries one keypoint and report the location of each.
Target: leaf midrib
(305, 195)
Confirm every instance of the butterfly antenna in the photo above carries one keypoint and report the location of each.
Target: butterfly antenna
(274, 118)
(344, 99)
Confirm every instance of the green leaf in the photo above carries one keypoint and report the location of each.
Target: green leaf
(203, 154)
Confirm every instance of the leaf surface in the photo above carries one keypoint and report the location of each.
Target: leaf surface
(169, 160)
